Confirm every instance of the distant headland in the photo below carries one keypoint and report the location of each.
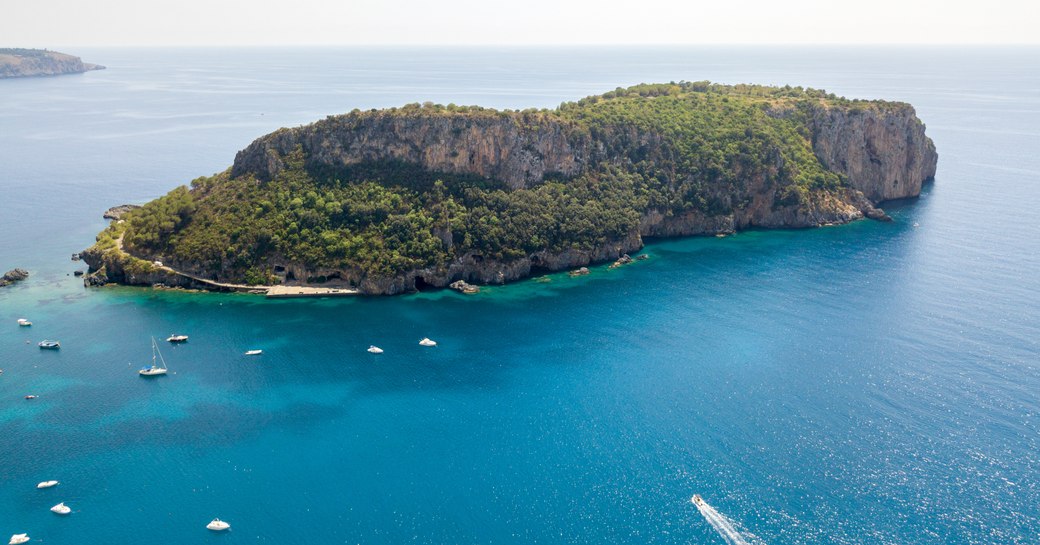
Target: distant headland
(389, 201)
(22, 63)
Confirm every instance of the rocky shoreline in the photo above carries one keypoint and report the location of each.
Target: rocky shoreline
(466, 273)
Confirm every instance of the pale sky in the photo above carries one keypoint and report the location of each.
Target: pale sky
(56, 23)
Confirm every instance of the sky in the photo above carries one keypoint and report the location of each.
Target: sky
(54, 23)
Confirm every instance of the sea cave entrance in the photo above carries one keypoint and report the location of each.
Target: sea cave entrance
(422, 285)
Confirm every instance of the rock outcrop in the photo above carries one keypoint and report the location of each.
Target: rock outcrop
(12, 276)
(117, 212)
(464, 287)
(18, 63)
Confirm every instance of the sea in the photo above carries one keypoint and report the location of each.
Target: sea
(872, 383)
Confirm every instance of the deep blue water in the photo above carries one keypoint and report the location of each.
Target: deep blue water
(870, 383)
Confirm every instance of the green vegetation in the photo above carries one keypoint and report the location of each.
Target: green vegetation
(674, 148)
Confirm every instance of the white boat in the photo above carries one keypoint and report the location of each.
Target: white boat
(23, 322)
(254, 352)
(375, 349)
(61, 509)
(18, 539)
(177, 338)
(218, 525)
(697, 500)
(49, 345)
(154, 369)
(47, 484)
(427, 342)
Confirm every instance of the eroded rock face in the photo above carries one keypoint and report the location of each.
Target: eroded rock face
(884, 152)
(517, 149)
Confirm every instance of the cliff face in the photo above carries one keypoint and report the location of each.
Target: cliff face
(514, 149)
(16, 63)
(884, 153)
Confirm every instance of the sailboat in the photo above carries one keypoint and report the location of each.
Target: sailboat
(154, 369)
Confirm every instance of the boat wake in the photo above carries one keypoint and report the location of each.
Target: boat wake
(724, 526)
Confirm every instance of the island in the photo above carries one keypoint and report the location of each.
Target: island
(12, 276)
(20, 63)
(390, 201)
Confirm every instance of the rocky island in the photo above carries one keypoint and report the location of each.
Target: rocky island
(18, 63)
(12, 276)
(389, 201)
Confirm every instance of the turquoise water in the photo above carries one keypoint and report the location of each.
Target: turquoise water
(870, 383)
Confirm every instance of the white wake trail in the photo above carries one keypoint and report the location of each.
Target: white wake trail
(725, 527)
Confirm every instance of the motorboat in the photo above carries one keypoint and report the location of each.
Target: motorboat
(47, 484)
(427, 342)
(23, 322)
(177, 338)
(18, 539)
(49, 345)
(254, 352)
(375, 349)
(30, 396)
(154, 369)
(61, 509)
(218, 525)
(697, 500)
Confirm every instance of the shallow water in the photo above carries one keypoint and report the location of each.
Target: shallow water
(870, 383)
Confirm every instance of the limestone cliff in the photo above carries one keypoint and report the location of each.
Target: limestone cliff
(17, 62)
(518, 150)
(884, 152)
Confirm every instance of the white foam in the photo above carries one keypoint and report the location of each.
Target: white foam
(725, 527)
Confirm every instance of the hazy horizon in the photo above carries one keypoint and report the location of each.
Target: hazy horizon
(202, 23)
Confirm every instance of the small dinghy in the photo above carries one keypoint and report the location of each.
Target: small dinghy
(177, 338)
(61, 509)
(49, 345)
(254, 352)
(23, 322)
(218, 525)
(47, 484)
(427, 342)
(375, 349)
(18, 539)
